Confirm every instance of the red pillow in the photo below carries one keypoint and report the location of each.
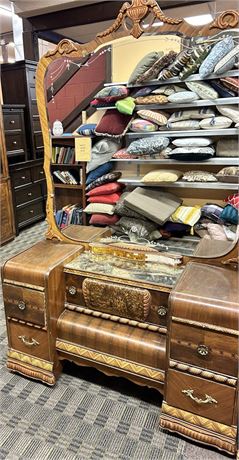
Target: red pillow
(122, 153)
(233, 200)
(103, 219)
(98, 103)
(105, 189)
(113, 123)
(107, 199)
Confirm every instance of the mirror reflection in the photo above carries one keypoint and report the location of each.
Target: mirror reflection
(159, 122)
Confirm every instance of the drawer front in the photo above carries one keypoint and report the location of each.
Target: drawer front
(36, 124)
(28, 340)
(32, 92)
(38, 173)
(31, 77)
(21, 177)
(14, 141)
(38, 140)
(198, 396)
(29, 193)
(34, 108)
(117, 299)
(27, 213)
(12, 121)
(24, 303)
(206, 349)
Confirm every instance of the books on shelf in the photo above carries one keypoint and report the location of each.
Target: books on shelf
(69, 214)
(63, 155)
(67, 177)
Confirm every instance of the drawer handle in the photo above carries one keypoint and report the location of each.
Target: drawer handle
(28, 342)
(202, 350)
(23, 177)
(72, 290)
(31, 211)
(41, 172)
(162, 310)
(208, 399)
(29, 194)
(21, 305)
(12, 122)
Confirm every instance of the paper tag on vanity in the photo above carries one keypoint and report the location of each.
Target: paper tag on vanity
(83, 149)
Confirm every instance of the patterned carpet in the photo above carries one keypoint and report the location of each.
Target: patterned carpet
(86, 416)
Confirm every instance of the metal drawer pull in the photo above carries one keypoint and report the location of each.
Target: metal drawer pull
(21, 305)
(72, 290)
(202, 350)
(28, 342)
(208, 400)
(23, 177)
(31, 211)
(29, 194)
(162, 310)
(41, 172)
(12, 122)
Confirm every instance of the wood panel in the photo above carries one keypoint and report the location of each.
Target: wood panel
(23, 303)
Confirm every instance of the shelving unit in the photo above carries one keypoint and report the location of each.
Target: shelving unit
(213, 162)
(179, 184)
(193, 133)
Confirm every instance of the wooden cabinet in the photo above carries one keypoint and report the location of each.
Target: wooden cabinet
(14, 126)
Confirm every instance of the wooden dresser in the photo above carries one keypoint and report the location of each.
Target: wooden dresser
(14, 127)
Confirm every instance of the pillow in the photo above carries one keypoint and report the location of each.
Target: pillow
(99, 208)
(175, 228)
(143, 91)
(199, 176)
(104, 179)
(188, 215)
(199, 53)
(156, 205)
(216, 231)
(212, 211)
(144, 64)
(140, 228)
(98, 172)
(216, 54)
(231, 171)
(221, 90)
(191, 153)
(125, 106)
(203, 90)
(157, 66)
(193, 114)
(107, 199)
(123, 154)
(140, 125)
(216, 123)
(184, 125)
(177, 65)
(157, 117)
(152, 99)
(103, 219)
(229, 111)
(230, 214)
(106, 189)
(148, 146)
(99, 103)
(227, 148)
(112, 93)
(183, 96)
(168, 89)
(101, 153)
(87, 129)
(192, 142)
(113, 124)
(233, 200)
(122, 210)
(162, 175)
(227, 63)
(231, 83)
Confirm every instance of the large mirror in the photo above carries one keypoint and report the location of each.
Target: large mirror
(68, 81)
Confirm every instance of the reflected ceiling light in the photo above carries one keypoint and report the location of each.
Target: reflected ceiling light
(5, 12)
(199, 20)
(155, 24)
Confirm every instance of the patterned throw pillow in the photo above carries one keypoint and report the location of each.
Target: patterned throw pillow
(87, 129)
(139, 125)
(199, 176)
(227, 148)
(158, 65)
(229, 111)
(230, 214)
(106, 189)
(101, 153)
(188, 215)
(227, 63)
(212, 211)
(144, 64)
(221, 90)
(144, 91)
(160, 118)
(122, 153)
(112, 93)
(148, 146)
(98, 172)
(216, 123)
(177, 66)
(162, 175)
(151, 99)
(199, 53)
(183, 96)
(99, 103)
(203, 90)
(184, 125)
(193, 114)
(140, 227)
(113, 124)
(233, 200)
(103, 219)
(230, 174)
(103, 179)
(125, 106)
(168, 89)
(99, 208)
(191, 153)
(192, 142)
(231, 82)
(216, 54)
(107, 199)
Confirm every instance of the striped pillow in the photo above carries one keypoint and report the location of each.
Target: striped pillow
(160, 118)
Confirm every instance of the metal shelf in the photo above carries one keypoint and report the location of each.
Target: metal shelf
(214, 161)
(195, 77)
(193, 133)
(180, 184)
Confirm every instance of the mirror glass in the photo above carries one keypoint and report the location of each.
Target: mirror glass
(70, 86)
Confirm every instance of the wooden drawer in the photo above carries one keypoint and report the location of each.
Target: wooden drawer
(14, 141)
(203, 348)
(12, 121)
(21, 177)
(38, 140)
(202, 397)
(28, 339)
(28, 193)
(117, 299)
(28, 213)
(23, 303)
(38, 173)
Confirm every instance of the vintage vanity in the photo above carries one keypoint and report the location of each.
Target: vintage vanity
(173, 327)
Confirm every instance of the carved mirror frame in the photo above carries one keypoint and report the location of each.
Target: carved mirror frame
(134, 12)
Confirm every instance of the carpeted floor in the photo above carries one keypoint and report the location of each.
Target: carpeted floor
(86, 416)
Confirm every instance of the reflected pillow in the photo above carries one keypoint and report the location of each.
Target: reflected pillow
(230, 214)
(162, 175)
(105, 189)
(216, 123)
(107, 199)
(103, 219)
(125, 106)
(101, 153)
(227, 148)
(193, 142)
(144, 64)
(233, 200)
(104, 179)
(87, 129)
(148, 146)
(203, 90)
(158, 65)
(199, 176)
(183, 96)
(112, 93)
(152, 99)
(216, 54)
(113, 124)
(160, 118)
(139, 125)
(193, 114)
(229, 111)
(98, 172)
(227, 63)
(99, 208)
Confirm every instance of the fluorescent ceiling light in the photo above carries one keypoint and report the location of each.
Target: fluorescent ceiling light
(199, 20)
(5, 12)
(155, 24)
